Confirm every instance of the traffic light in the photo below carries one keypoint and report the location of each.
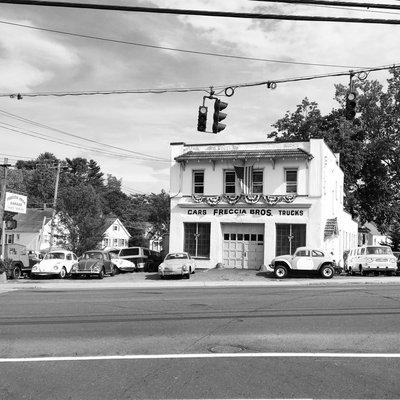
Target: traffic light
(351, 104)
(202, 119)
(219, 116)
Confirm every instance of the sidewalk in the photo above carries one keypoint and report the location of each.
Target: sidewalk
(201, 279)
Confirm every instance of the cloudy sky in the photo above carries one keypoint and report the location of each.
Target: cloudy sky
(40, 61)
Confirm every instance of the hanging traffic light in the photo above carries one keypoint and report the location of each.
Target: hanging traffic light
(219, 116)
(351, 104)
(202, 119)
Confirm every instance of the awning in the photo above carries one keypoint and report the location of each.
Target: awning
(331, 228)
(244, 154)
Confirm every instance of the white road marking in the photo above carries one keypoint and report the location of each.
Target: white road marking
(200, 355)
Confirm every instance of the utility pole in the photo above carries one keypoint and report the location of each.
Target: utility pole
(5, 166)
(54, 205)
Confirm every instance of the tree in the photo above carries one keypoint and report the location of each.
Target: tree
(158, 210)
(81, 214)
(369, 146)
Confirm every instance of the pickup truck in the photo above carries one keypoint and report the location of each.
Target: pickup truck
(19, 256)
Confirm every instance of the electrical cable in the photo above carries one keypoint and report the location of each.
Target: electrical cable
(26, 120)
(231, 56)
(204, 13)
(48, 138)
(203, 89)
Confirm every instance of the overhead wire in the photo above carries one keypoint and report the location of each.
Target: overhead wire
(231, 56)
(38, 124)
(204, 13)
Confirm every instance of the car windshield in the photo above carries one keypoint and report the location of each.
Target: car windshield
(379, 250)
(177, 256)
(95, 255)
(129, 252)
(55, 256)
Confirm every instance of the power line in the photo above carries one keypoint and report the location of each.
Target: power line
(202, 89)
(231, 56)
(26, 120)
(204, 13)
(333, 3)
(42, 136)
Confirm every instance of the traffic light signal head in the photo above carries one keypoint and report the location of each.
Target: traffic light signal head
(351, 104)
(219, 116)
(202, 120)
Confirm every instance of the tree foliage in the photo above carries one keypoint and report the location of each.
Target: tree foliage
(369, 146)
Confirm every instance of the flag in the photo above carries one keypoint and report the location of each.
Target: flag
(248, 179)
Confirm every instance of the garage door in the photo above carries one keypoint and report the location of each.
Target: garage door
(243, 245)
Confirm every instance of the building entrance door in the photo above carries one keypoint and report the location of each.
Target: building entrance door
(243, 245)
(289, 237)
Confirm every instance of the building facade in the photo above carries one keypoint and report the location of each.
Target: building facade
(115, 234)
(241, 204)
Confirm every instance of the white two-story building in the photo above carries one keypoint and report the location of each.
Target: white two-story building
(241, 204)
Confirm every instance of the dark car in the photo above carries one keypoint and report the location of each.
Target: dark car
(94, 263)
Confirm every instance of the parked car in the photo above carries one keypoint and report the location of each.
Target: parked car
(365, 259)
(142, 258)
(177, 264)
(94, 263)
(304, 259)
(397, 255)
(57, 262)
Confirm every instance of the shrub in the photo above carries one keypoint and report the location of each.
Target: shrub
(7, 267)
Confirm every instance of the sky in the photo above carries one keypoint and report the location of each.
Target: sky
(117, 127)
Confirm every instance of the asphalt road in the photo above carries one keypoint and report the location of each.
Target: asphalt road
(201, 343)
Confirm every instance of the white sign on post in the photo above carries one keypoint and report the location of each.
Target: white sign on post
(15, 203)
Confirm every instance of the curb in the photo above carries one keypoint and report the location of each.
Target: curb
(201, 284)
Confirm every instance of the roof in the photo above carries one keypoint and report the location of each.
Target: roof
(32, 221)
(331, 228)
(243, 154)
(370, 227)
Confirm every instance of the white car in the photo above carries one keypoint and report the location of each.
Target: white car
(57, 262)
(177, 264)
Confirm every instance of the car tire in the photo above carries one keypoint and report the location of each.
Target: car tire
(187, 276)
(327, 272)
(101, 274)
(112, 272)
(16, 273)
(280, 272)
(63, 273)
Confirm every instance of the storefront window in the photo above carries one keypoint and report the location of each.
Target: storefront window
(257, 182)
(291, 180)
(229, 182)
(197, 239)
(198, 182)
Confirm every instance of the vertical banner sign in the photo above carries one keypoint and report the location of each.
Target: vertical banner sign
(15, 203)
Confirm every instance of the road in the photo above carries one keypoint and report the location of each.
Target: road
(201, 343)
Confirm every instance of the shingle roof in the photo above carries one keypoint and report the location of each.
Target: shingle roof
(32, 221)
(243, 154)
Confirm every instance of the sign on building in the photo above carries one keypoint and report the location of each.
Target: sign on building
(15, 203)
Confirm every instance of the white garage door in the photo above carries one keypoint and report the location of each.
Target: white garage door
(243, 245)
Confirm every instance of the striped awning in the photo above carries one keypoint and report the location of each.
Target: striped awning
(331, 228)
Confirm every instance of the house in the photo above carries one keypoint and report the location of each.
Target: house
(115, 234)
(242, 204)
(34, 228)
(369, 234)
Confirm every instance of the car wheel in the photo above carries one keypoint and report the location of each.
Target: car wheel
(112, 272)
(101, 274)
(280, 272)
(63, 273)
(327, 272)
(162, 276)
(187, 276)
(16, 273)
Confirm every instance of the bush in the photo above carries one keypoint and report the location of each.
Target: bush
(7, 267)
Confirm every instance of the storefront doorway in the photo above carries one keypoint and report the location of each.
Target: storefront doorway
(243, 245)
(289, 237)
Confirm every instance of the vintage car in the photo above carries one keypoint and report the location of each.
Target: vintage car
(304, 259)
(94, 263)
(122, 264)
(57, 262)
(180, 264)
(140, 258)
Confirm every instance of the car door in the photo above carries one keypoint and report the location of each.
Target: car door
(317, 257)
(302, 260)
(69, 261)
(107, 262)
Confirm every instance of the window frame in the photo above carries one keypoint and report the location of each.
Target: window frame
(187, 244)
(194, 172)
(225, 171)
(255, 171)
(286, 170)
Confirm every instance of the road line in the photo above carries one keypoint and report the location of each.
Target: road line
(200, 355)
